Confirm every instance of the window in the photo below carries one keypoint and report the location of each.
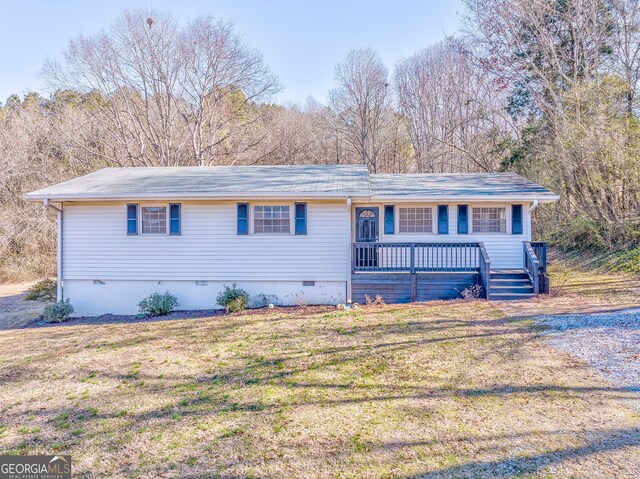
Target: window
(489, 220)
(154, 219)
(416, 220)
(271, 219)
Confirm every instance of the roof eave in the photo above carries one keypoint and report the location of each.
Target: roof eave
(542, 198)
(193, 197)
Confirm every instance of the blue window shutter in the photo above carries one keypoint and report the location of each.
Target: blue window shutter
(516, 219)
(132, 219)
(389, 221)
(463, 219)
(443, 220)
(174, 219)
(243, 218)
(301, 218)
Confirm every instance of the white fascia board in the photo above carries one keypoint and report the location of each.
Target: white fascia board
(548, 198)
(464, 199)
(195, 197)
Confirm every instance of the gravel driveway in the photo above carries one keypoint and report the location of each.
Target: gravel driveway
(608, 341)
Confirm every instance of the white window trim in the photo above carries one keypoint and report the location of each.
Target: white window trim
(492, 205)
(434, 219)
(291, 206)
(153, 205)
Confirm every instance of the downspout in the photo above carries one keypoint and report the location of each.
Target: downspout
(60, 291)
(533, 206)
(349, 250)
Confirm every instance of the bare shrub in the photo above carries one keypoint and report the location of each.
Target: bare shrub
(301, 299)
(472, 292)
(377, 301)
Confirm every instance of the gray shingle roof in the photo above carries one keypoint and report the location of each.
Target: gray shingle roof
(294, 181)
(286, 180)
(457, 185)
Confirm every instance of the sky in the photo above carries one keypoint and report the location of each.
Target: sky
(301, 41)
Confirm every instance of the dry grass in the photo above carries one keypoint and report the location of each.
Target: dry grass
(436, 390)
(14, 310)
(568, 278)
(577, 288)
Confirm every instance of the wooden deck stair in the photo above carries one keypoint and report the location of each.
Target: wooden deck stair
(510, 284)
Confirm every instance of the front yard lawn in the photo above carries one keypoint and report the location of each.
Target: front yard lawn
(435, 390)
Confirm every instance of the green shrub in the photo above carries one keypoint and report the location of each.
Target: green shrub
(45, 290)
(233, 298)
(58, 312)
(158, 304)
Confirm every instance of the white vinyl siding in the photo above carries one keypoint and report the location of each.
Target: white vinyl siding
(504, 249)
(96, 246)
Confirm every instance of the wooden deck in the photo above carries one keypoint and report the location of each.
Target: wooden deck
(406, 272)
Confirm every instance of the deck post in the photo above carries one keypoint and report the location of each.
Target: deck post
(414, 287)
(414, 277)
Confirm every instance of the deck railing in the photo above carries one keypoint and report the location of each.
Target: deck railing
(485, 271)
(423, 257)
(540, 253)
(413, 257)
(532, 266)
(540, 249)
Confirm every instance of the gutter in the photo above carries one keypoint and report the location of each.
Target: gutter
(349, 250)
(544, 198)
(192, 197)
(533, 206)
(60, 290)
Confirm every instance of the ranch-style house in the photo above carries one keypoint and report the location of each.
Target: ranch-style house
(294, 234)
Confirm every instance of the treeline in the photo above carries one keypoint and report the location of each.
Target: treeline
(545, 88)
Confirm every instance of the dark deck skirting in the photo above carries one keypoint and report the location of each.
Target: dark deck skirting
(405, 287)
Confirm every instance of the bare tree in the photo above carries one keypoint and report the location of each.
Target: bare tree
(168, 96)
(454, 110)
(361, 104)
(541, 47)
(572, 69)
(626, 46)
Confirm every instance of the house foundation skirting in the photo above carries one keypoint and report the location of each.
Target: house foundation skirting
(101, 296)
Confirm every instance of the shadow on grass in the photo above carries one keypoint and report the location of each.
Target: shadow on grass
(314, 348)
(601, 441)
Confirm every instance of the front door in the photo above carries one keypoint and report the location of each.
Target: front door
(366, 225)
(366, 232)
